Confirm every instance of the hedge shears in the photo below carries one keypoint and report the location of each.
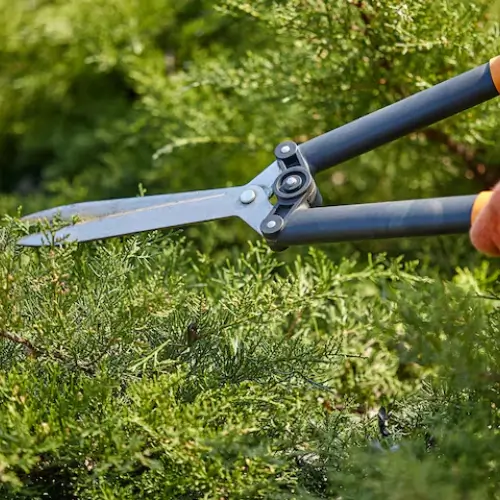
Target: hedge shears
(297, 216)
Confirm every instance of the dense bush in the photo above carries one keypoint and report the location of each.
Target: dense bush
(181, 95)
(96, 99)
(154, 366)
(142, 368)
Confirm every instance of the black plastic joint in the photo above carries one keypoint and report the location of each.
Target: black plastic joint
(289, 155)
(294, 188)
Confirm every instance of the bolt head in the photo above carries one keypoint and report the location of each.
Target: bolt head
(248, 196)
(292, 181)
(285, 149)
(272, 225)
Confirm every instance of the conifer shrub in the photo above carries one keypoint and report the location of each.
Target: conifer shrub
(198, 364)
(141, 367)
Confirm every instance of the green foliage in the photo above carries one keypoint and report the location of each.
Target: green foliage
(142, 367)
(74, 80)
(112, 100)
(189, 95)
(154, 366)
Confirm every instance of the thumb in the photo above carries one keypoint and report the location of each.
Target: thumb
(485, 230)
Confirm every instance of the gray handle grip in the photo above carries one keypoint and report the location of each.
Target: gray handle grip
(415, 112)
(392, 219)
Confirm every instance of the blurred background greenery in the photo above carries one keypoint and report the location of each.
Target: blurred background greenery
(98, 98)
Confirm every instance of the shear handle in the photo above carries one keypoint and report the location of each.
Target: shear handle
(393, 219)
(399, 119)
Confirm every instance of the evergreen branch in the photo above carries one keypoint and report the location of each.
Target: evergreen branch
(359, 4)
(30, 348)
(37, 352)
(191, 141)
(488, 174)
(367, 19)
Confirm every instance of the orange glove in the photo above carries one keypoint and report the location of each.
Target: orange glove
(485, 228)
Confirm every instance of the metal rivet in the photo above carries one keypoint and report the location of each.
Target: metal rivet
(285, 149)
(247, 196)
(292, 181)
(271, 224)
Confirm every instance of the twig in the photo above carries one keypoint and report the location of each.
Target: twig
(35, 352)
(295, 321)
(469, 155)
(32, 350)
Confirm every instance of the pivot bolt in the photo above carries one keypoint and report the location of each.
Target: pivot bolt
(285, 149)
(293, 181)
(271, 224)
(247, 196)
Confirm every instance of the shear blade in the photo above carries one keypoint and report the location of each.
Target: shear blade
(91, 210)
(110, 218)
